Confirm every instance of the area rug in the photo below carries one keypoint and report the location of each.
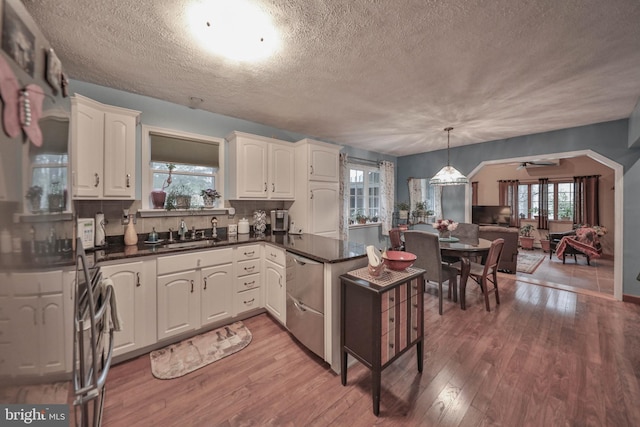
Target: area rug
(527, 263)
(186, 356)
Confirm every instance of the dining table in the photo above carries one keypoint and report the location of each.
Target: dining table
(465, 249)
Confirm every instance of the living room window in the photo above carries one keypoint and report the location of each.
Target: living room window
(560, 201)
(364, 192)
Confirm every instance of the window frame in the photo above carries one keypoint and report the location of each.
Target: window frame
(147, 171)
(366, 169)
(556, 214)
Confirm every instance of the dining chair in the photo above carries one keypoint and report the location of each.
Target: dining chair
(465, 232)
(486, 273)
(426, 247)
(396, 241)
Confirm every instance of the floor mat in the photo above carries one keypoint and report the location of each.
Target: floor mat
(186, 356)
(527, 263)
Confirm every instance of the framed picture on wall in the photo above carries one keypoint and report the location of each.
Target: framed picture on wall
(54, 70)
(17, 41)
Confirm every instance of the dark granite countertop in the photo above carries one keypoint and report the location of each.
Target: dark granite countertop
(318, 248)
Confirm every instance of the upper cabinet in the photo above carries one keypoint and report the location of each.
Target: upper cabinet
(323, 160)
(103, 143)
(261, 168)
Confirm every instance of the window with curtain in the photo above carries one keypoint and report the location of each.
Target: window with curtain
(560, 199)
(364, 191)
(196, 160)
(586, 201)
(508, 196)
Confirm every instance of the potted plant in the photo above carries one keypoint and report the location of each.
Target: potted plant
(158, 197)
(526, 238)
(420, 212)
(34, 196)
(361, 218)
(179, 197)
(209, 196)
(533, 212)
(566, 214)
(544, 242)
(403, 210)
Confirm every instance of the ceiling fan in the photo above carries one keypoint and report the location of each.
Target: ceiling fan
(538, 163)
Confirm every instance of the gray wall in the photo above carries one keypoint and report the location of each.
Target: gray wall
(610, 139)
(634, 126)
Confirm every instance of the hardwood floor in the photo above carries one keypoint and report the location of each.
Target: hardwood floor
(544, 357)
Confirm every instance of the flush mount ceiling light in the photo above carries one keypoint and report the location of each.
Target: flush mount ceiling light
(448, 175)
(236, 29)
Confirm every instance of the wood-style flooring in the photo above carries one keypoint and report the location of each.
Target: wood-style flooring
(544, 357)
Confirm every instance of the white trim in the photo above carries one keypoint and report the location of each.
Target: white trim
(146, 158)
(618, 169)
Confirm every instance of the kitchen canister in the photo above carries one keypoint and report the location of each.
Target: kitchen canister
(243, 226)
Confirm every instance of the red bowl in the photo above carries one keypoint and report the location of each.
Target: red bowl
(398, 260)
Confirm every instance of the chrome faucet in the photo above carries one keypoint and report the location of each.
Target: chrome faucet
(214, 224)
(194, 235)
(171, 235)
(182, 230)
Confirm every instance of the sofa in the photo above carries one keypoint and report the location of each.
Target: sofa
(509, 258)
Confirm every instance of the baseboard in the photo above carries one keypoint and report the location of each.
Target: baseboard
(631, 298)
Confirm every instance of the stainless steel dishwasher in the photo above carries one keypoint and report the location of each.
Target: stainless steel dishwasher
(305, 301)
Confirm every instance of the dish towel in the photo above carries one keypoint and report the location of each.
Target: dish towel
(114, 321)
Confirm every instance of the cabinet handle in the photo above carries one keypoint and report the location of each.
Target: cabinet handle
(137, 280)
(205, 283)
(249, 283)
(128, 180)
(390, 345)
(265, 187)
(392, 299)
(391, 320)
(273, 187)
(249, 253)
(192, 286)
(311, 172)
(249, 268)
(273, 255)
(312, 194)
(250, 301)
(97, 180)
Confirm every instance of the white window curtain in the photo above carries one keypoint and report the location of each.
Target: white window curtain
(344, 196)
(415, 191)
(437, 204)
(387, 188)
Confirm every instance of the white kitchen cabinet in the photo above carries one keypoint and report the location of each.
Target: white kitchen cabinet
(261, 168)
(194, 289)
(248, 290)
(317, 206)
(103, 141)
(323, 160)
(36, 323)
(275, 283)
(135, 290)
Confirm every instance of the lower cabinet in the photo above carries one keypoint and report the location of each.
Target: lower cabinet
(193, 290)
(36, 323)
(135, 289)
(248, 292)
(275, 283)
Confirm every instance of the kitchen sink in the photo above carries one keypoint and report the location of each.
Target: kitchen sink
(192, 244)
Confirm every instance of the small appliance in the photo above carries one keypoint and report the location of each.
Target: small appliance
(86, 232)
(279, 220)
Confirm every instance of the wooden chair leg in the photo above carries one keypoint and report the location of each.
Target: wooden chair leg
(485, 291)
(440, 298)
(495, 285)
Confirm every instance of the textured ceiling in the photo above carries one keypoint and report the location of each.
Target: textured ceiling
(385, 76)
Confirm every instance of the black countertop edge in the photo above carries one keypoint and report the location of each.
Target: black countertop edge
(317, 248)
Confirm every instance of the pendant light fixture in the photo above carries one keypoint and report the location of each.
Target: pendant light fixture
(448, 175)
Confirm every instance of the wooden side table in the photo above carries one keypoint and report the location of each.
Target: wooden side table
(381, 318)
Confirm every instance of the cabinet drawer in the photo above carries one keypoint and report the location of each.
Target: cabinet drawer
(251, 266)
(394, 297)
(248, 300)
(248, 252)
(248, 282)
(189, 261)
(275, 255)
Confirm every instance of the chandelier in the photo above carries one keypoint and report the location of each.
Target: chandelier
(448, 175)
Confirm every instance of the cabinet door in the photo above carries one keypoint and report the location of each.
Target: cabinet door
(275, 290)
(119, 155)
(87, 138)
(25, 319)
(135, 296)
(216, 293)
(281, 171)
(51, 334)
(251, 166)
(178, 303)
(324, 205)
(323, 163)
